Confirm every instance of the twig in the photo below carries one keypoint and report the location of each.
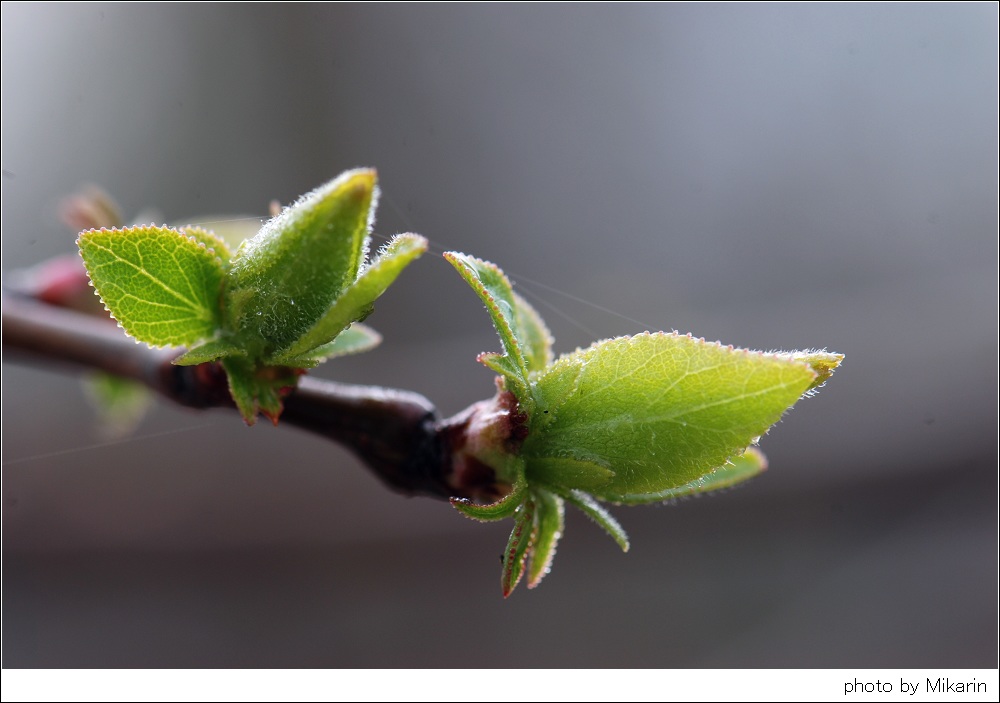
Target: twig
(396, 433)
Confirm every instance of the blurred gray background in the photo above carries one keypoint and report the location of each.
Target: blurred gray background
(770, 176)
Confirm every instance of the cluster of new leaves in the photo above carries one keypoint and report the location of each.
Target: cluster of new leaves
(289, 298)
(630, 420)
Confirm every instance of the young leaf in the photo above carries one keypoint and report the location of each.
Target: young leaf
(494, 289)
(661, 410)
(533, 336)
(739, 469)
(212, 242)
(560, 383)
(596, 512)
(209, 351)
(356, 300)
(824, 363)
(355, 339)
(230, 228)
(161, 285)
(284, 280)
(517, 547)
(242, 387)
(257, 389)
(567, 471)
(549, 525)
(491, 512)
(121, 404)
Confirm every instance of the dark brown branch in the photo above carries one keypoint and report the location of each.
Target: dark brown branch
(397, 433)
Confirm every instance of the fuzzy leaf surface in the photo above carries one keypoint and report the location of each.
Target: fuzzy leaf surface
(491, 512)
(209, 351)
(283, 280)
(355, 339)
(257, 389)
(660, 410)
(824, 363)
(161, 285)
(494, 289)
(517, 547)
(549, 525)
(210, 240)
(232, 229)
(739, 469)
(356, 300)
(596, 512)
(533, 335)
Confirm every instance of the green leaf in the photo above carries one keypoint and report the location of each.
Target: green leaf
(533, 336)
(567, 471)
(660, 410)
(494, 289)
(549, 525)
(355, 339)
(161, 285)
(209, 351)
(739, 469)
(596, 512)
(242, 387)
(209, 239)
(232, 229)
(491, 512)
(560, 383)
(121, 404)
(355, 302)
(517, 547)
(257, 389)
(284, 280)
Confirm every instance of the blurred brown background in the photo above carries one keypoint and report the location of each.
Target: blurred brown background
(774, 177)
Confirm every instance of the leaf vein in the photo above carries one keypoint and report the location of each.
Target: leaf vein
(193, 305)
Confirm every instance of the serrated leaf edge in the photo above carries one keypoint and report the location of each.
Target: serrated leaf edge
(543, 552)
(499, 510)
(596, 512)
(120, 230)
(518, 546)
(457, 259)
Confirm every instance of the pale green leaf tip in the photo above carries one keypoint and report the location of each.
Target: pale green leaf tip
(408, 241)
(360, 184)
(357, 184)
(821, 362)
